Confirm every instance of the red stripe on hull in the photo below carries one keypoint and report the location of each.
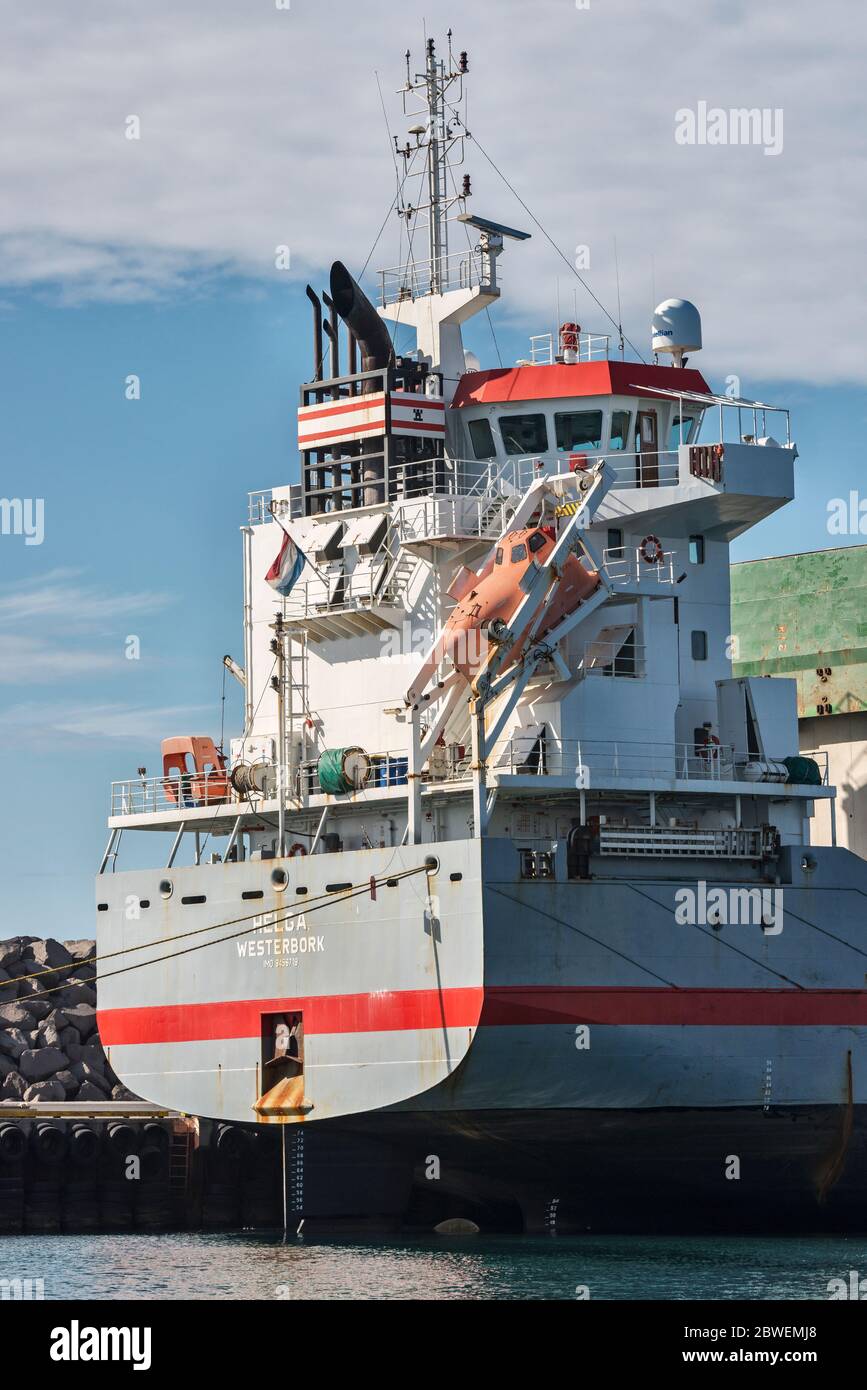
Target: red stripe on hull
(504, 1005)
(341, 1013)
(528, 1004)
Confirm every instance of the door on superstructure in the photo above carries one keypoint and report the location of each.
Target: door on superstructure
(646, 449)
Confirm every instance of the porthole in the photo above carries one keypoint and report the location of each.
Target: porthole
(166, 888)
(280, 879)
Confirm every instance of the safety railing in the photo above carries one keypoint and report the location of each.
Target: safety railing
(640, 564)
(263, 506)
(463, 477)
(139, 796)
(644, 470)
(454, 517)
(592, 762)
(591, 347)
(625, 658)
(460, 271)
(820, 757)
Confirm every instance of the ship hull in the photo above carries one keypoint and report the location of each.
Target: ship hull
(547, 1054)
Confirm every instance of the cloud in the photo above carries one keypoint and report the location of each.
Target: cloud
(262, 126)
(59, 602)
(59, 614)
(95, 723)
(35, 661)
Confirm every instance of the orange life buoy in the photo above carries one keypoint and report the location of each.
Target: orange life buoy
(297, 849)
(651, 550)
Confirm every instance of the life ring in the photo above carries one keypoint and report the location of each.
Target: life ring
(651, 550)
(710, 750)
(297, 849)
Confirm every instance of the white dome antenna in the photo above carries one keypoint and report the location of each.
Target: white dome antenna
(676, 328)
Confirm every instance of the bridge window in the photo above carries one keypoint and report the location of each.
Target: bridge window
(524, 434)
(619, 429)
(699, 645)
(686, 423)
(579, 429)
(482, 439)
(696, 550)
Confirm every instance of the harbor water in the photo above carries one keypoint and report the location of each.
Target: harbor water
(229, 1266)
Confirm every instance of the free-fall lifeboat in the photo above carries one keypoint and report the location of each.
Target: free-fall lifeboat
(494, 594)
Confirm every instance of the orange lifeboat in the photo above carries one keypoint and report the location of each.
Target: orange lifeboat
(194, 771)
(494, 594)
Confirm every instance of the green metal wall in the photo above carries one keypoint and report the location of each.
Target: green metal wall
(797, 615)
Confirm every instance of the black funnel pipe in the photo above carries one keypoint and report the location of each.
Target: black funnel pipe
(373, 341)
(317, 333)
(332, 332)
(360, 317)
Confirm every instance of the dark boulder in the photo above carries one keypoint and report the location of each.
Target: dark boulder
(81, 950)
(13, 1087)
(44, 1091)
(87, 1091)
(85, 1071)
(73, 994)
(36, 1064)
(13, 1042)
(82, 1017)
(16, 1016)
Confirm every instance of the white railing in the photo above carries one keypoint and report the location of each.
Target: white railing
(618, 659)
(626, 565)
(456, 517)
(820, 757)
(139, 796)
(660, 469)
(592, 347)
(460, 271)
(259, 505)
(464, 477)
(592, 762)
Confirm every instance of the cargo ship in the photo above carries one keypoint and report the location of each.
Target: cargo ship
(502, 904)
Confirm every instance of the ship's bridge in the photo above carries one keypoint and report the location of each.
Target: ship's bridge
(668, 440)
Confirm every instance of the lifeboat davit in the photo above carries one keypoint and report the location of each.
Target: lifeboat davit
(494, 594)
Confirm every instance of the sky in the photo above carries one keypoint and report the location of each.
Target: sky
(261, 126)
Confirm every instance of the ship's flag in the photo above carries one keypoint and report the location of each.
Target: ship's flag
(286, 569)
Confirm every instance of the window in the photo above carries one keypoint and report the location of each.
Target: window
(536, 541)
(481, 439)
(579, 429)
(615, 538)
(699, 645)
(696, 550)
(498, 558)
(690, 430)
(524, 434)
(619, 429)
(519, 552)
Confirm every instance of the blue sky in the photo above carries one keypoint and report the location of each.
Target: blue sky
(156, 258)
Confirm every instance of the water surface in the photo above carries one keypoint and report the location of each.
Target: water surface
(220, 1265)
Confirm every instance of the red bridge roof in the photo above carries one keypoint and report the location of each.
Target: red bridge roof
(572, 379)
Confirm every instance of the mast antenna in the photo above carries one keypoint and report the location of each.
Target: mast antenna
(442, 139)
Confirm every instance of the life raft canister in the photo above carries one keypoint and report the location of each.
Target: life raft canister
(651, 550)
